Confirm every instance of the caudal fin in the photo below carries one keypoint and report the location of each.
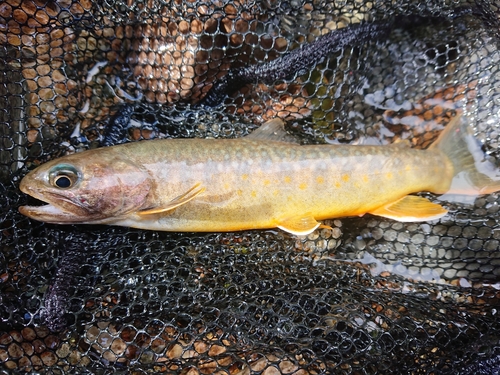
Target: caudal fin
(473, 174)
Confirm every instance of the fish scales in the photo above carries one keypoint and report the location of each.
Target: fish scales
(252, 183)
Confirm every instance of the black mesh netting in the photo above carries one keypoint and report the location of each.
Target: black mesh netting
(370, 296)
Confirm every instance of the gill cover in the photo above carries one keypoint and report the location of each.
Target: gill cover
(86, 188)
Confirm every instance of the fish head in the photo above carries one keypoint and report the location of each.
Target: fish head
(89, 187)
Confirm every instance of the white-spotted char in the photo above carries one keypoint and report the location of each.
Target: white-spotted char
(259, 181)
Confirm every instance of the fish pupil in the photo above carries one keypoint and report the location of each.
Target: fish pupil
(63, 182)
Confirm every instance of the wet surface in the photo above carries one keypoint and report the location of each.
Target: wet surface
(369, 296)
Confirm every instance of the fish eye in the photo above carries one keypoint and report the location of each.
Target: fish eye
(62, 182)
(64, 176)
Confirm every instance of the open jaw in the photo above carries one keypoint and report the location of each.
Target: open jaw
(52, 214)
(58, 209)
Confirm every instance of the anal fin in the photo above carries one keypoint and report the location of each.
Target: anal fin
(176, 202)
(411, 208)
(299, 225)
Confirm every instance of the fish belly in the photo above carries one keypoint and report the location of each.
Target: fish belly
(251, 184)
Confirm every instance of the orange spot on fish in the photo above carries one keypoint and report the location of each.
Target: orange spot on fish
(254, 193)
(267, 182)
(337, 184)
(365, 178)
(244, 177)
(389, 175)
(320, 180)
(226, 186)
(288, 179)
(239, 192)
(345, 177)
(303, 186)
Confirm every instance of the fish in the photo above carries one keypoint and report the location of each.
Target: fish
(262, 181)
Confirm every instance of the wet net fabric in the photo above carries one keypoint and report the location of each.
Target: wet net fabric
(370, 296)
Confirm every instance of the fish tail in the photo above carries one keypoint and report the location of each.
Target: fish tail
(473, 174)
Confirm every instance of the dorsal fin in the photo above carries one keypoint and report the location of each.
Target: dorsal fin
(272, 130)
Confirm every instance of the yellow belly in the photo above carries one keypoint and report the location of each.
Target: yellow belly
(262, 185)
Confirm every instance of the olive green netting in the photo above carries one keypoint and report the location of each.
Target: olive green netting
(370, 296)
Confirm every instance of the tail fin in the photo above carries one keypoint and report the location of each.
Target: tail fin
(473, 174)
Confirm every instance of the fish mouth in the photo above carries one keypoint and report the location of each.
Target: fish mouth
(49, 213)
(57, 210)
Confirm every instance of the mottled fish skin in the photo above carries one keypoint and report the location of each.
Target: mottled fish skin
(251, 184)
(225, 185)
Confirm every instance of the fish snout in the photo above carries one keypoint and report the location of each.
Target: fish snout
(31, 181)
(24, 186)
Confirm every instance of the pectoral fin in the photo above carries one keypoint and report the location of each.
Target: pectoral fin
(176, 202)
(299, 225)
(411, 208)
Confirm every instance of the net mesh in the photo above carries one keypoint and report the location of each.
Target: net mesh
(370, 296)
